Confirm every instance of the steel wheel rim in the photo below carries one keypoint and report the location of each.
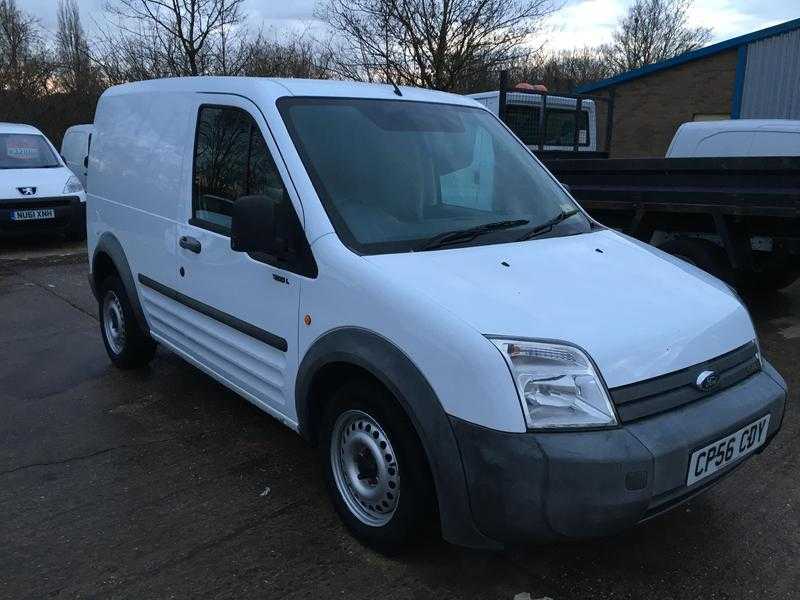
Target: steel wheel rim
(114, 322)
(365, 468)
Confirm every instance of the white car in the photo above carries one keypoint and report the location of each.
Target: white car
(38, 193)
(736, 137)
(75, 149)
(392, 274)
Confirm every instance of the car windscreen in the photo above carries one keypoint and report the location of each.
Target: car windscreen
(393, 174)
(26, 151)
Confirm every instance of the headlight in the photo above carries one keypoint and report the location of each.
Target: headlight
(73, 186)
(558, 385)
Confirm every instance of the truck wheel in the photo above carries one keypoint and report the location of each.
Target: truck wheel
(768, 281)
(127, 345)
(703, 254)
(375, 468)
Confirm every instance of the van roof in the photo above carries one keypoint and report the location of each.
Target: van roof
(18, 128)
(741, 125)
(81, 127)
(288, 87)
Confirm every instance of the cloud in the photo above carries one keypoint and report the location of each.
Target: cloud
(579, 22)
(591, 22)
(583, 23)
(725, 19)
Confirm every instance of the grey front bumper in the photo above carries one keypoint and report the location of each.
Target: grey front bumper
(69, 211)
(542, 486)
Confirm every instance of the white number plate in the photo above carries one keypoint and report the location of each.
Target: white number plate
(33, 215)
(721, 453)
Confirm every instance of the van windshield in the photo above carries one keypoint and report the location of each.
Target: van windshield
(26, 151)
(396, 175)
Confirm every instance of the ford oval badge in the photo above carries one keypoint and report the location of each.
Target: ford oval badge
(707, 381)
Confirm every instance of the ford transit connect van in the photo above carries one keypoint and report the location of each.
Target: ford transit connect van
(393, 275)
(38, 193)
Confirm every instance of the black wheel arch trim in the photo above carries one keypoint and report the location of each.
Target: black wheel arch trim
(109, 245)
(391, 366)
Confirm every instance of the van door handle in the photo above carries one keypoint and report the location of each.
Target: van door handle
(190, 243)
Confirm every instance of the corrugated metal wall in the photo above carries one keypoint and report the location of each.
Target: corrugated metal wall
(772, 78)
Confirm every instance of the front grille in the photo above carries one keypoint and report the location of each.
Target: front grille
(48, 202)
(666, 392)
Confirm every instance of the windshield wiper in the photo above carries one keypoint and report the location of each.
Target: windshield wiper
(549, 224)
(464, 235)
(19, 167)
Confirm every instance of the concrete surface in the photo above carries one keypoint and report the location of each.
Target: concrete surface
(52, 250)
(154, 484)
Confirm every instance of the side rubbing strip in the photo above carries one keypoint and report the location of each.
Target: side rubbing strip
(246, 328)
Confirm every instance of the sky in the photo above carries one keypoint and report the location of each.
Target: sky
(578, 23)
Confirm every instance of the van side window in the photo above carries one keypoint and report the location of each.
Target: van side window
(263, 177)
(231, 160)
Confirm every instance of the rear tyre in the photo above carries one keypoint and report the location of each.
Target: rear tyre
(703, 254)
(127, 345)
(375, 468)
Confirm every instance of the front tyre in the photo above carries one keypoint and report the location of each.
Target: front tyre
(376, 471)
(127, 345)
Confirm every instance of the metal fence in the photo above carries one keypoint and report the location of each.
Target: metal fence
(544, 129)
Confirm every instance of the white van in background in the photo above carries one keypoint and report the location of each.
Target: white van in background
(75, 149)
(38, 193)
(523, 110)
(736, 137)
(482, 360)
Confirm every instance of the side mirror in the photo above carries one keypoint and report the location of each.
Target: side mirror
(269, 231)
(253, 226)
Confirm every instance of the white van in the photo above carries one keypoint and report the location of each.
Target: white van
(75, 149)
(523, 118)
(737, 137)
(398, 279)
(38, 193)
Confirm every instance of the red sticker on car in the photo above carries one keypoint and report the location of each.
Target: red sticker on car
(22, 148)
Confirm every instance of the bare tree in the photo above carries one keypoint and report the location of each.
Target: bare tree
(565, 70)
(291, 56)
(652, 31)
(25, 65)
(182, 32)
(438, 44)
(75, 69)
(145, 52)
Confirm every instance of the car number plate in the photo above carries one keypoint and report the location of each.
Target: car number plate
(721, 453)
(33, 214)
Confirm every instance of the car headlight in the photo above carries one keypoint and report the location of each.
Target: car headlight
(73, 185)
(558, 385)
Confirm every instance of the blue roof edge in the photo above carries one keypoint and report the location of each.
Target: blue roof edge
(693, 55)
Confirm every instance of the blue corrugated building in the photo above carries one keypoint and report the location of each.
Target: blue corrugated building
(755, 76)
